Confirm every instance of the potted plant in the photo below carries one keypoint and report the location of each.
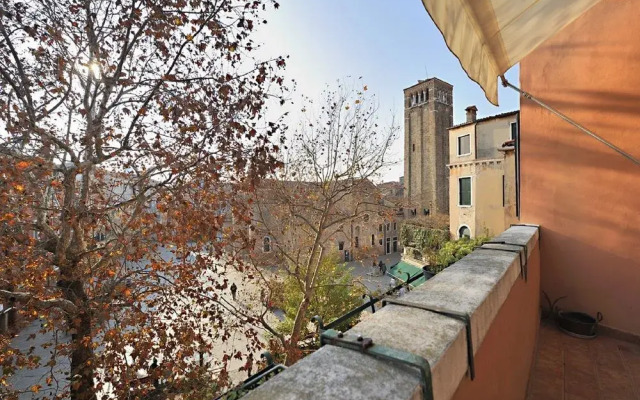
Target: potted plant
(574, 323)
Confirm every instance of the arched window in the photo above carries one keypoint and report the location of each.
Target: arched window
(464, 231)
(266, 244)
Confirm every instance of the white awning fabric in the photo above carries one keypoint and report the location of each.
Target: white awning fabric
(490, 36)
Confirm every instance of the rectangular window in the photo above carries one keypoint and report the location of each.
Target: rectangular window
(395, 226)
(464, 191)
(357, 242)
(514, 130)
(388, 226)
(373, 240)
(340, 245)
(380, 228)
(464, 145)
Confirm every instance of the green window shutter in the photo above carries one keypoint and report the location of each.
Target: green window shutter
(465, 191)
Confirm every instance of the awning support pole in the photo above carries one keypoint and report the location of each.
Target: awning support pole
(526, 95)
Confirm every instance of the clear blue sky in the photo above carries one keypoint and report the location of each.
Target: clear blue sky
(390, 43)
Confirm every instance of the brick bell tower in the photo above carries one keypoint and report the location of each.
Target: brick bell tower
(428, 113)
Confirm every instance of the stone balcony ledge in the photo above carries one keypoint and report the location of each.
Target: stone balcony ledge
(477, 285)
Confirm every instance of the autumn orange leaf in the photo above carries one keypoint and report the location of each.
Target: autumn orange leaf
(22, 165)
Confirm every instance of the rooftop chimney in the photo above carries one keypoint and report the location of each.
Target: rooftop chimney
(471, 113)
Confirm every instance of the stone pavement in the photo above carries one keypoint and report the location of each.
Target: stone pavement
(26, 378)
(247, 297)
(369, 275)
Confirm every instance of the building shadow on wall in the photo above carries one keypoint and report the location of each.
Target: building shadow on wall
(592, 278)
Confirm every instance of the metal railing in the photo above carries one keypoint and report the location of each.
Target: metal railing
(255, 380)
(372, 301)
(273, 369)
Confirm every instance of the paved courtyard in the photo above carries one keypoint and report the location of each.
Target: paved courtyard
(370, 276)
(247, 298)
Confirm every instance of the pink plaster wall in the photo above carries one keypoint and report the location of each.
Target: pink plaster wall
(585, 196)
(504, 359)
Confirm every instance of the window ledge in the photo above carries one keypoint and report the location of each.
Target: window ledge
(478, 285)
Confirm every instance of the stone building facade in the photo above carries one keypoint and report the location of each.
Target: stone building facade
(428, 113)
(482, 170)
(369, 221)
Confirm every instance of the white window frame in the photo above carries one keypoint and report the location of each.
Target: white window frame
(465, 226)
(458, 144)
(470, 191)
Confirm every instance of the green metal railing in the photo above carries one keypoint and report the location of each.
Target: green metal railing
(371, 303)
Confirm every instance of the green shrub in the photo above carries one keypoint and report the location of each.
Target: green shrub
(426, 240)
(453, 251)
(406, 235)
(335, 295)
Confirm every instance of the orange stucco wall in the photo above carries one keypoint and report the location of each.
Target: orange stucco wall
(585, 196)
(504, 359)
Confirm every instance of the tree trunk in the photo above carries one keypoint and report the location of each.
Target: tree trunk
(293, 351)
(82, 387)
(82, 369)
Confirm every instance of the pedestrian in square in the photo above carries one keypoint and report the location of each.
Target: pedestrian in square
(234, 289)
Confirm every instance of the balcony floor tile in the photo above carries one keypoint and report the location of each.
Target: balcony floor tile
(570, 368)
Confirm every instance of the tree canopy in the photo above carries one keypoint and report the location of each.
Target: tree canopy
(128, 129)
